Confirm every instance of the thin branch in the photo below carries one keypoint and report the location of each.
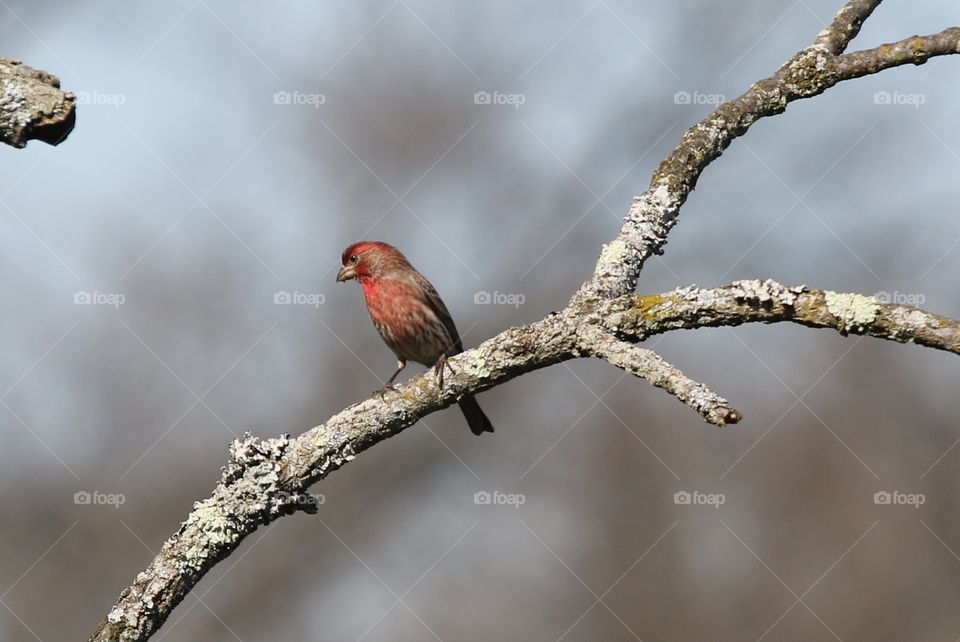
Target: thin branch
(636, 317)
(32, 106)
(846, 25)
(648, 365)
(915, 50)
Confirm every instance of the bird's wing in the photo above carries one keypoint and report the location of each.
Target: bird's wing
(435, 303)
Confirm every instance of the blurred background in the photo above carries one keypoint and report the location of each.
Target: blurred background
(169, 278)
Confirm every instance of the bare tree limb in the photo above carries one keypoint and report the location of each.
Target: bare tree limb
(915, 50)
(32, 105)
(266, 479)
(846, 25)
(636, 317)
(648, 365)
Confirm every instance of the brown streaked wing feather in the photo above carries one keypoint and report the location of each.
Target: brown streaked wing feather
(435, 303)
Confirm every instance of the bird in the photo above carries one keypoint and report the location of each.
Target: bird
(408, 314)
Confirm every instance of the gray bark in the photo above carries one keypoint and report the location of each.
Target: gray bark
(32, 105)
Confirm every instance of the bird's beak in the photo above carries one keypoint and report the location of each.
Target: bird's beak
(345, 274)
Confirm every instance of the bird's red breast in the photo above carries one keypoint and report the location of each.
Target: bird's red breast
(405, 321)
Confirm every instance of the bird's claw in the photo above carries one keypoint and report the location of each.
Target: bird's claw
(381, 391)
(438, 369)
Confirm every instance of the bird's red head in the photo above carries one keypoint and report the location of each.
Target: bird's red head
(369, 260)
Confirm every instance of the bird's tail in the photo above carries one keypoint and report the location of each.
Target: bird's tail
(477, 421)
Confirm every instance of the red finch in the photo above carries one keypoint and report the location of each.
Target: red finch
(408, 314)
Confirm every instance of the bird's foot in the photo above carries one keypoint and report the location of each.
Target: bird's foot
(438, 369)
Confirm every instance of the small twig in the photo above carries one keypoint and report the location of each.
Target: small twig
(846, 25)
(648, 365)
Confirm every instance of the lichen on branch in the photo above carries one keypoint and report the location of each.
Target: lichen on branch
(32, 105)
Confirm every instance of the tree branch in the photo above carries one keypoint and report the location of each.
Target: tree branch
(266, 479)
(914, 50)
(32, 105)
(808, 73)
(846, 25)
(636, 317)
(648, 365)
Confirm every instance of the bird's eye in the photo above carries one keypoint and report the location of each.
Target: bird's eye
(354, 258)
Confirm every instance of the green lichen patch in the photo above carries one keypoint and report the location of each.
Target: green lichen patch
(476, 365)
(853, 311)
(209, 518)
(613, 252)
